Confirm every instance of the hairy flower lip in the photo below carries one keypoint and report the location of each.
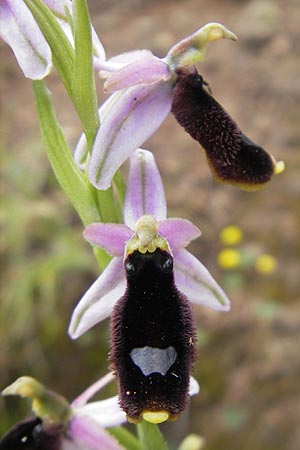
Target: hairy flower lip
(144, 196)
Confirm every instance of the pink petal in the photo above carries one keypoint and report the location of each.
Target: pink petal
(85, 396)
(98, 301)
(137, 113)
(87, 434)
(117, 62)
(178, 232)
(194, 280)
(145, 191)
(146, 70)
(21, 32)
(110, 236)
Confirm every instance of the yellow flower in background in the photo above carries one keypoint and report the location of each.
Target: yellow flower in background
(229, 258)
(231, 235)
(265, 264)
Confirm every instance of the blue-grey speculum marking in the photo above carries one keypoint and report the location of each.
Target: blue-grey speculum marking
(151, 360)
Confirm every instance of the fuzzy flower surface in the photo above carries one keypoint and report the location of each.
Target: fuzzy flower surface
(143, 86)
(60, 426)
(145, 209)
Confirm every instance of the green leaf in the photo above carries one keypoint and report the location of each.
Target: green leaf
(125, 438)
(151, 437)
(69, 176)
(73, 182)
(84, 81)
(62, 50)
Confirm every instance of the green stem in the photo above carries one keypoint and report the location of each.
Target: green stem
(125, 438)
(69, 176)
(151, 437)
(84, 81)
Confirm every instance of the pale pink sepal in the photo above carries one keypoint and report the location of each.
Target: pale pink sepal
(193, 279)
(178, 232)
(59, 5)
(81, 149)
(20, 31)
(145, 70)
(98, 301)
(145, 191)
(136, 115)
(86, 395)
(110, 236)
(87, 434)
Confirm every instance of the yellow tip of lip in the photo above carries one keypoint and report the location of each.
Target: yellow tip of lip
(279, 167)
(155, 416)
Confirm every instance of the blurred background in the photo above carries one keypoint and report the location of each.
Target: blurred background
(248, 364)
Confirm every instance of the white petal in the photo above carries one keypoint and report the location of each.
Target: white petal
(106, 413)
(194, 387)
(99, 300)
(194, 280)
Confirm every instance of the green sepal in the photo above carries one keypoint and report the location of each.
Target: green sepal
(46, 404)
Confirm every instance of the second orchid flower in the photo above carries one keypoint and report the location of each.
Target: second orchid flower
(144, 197)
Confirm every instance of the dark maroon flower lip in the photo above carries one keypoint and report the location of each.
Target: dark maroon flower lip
(153, 340)
(232, 156)
(30, 434)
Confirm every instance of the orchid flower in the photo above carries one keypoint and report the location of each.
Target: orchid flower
(62, 426)
(144, 206)
(149, 88)
(20, 31)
